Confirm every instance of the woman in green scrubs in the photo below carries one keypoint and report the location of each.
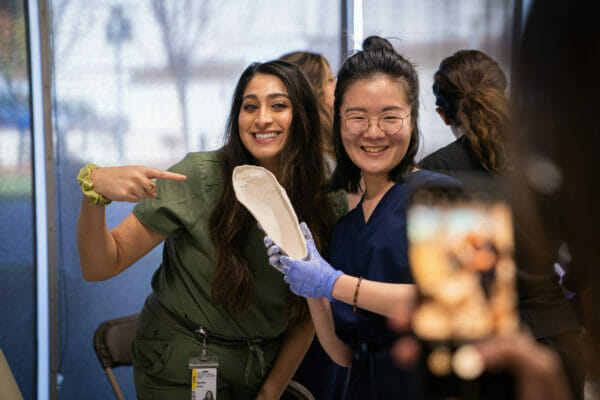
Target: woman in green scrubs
(215, 285)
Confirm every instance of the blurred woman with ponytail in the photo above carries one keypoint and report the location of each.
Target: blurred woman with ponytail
(471, 97)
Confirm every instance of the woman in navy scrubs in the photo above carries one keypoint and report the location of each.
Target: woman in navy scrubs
(375, 138)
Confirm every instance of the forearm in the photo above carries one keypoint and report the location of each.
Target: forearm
(103, 253)
(320, 311)
(378, 297)
(293, 347)
(97, 247)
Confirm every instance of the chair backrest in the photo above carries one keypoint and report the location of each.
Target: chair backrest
(112, 342)
(8, 386)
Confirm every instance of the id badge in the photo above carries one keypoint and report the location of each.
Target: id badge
(204, 376)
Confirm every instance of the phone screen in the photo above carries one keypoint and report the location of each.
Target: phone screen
(461, 255)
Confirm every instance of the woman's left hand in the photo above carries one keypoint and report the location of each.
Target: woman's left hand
(312, 278)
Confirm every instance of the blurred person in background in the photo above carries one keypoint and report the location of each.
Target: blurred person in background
(322, 79)
(557, 151)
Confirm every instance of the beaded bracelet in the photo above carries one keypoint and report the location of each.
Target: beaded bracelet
(87, 187)
(360, 278)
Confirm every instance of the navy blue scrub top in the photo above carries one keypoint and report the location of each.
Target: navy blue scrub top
(376, 250)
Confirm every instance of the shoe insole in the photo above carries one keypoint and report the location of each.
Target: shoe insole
(258, 190)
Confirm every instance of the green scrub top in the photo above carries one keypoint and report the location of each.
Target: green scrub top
(182, 283)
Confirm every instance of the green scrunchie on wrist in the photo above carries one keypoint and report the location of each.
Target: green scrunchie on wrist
(87, 187)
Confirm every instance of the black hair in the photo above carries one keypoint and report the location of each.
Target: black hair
(302, 175)
(378, 57)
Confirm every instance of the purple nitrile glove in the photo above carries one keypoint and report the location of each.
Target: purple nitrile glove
(274, 253)
(313, 278)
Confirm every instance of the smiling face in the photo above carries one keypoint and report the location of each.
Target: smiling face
(373, 151)
(265, 119)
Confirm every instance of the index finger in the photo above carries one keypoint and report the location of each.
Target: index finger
(153, 173)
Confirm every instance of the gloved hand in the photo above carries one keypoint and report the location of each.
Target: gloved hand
(312, 278)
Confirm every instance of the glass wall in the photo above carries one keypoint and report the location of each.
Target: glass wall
(426, 31)
(144, 82)
(17, 266)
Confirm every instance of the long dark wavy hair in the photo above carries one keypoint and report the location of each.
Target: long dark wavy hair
(378, 57)
(302, 175)
(315, 67)
(470, 89)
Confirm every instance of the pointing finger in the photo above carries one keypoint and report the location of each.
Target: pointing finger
(153, 173)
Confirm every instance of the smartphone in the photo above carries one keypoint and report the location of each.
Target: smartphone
(461, 255)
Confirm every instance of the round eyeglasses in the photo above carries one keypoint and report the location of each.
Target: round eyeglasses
(358, 123)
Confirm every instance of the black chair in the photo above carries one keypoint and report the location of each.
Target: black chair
(112, 342)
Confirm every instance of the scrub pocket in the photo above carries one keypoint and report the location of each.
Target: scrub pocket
(166, 361)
